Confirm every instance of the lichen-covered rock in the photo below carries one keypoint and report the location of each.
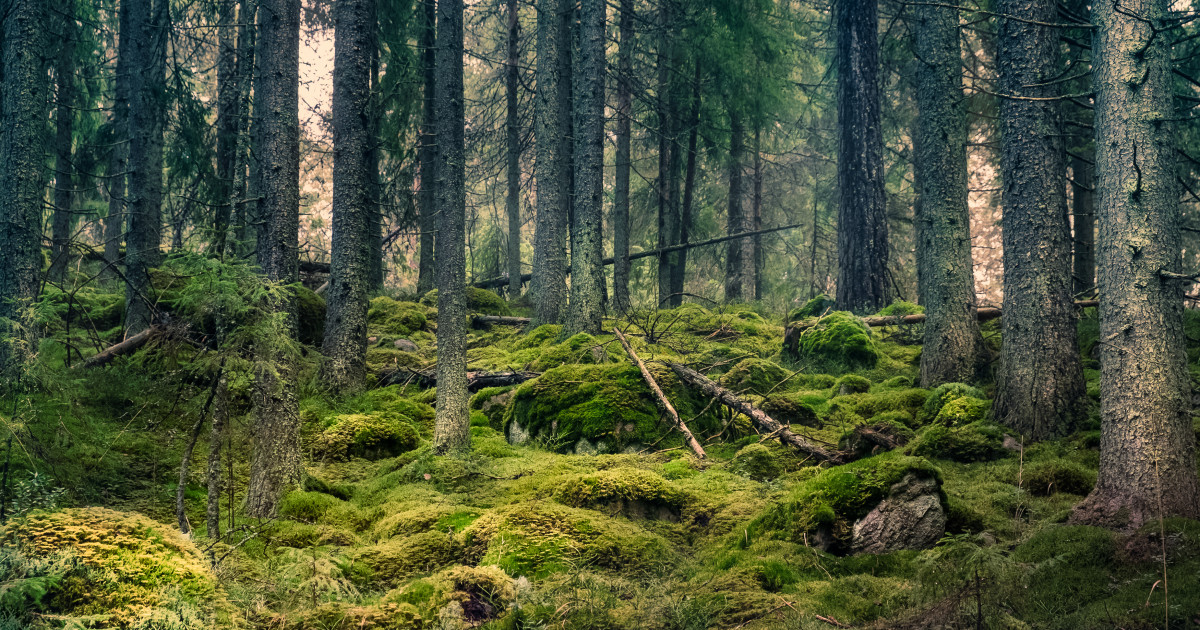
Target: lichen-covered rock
(405, 345)
(838, 341)
(369, 436)
(910, 517)
(121, 569)
(758, 462)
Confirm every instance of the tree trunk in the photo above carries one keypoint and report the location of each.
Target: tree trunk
(22, 147)
(512, 200)
(427, 152)
(1084, 219)
(736, 215)
(451, 432)
(945, 275)
(863, 283)
(114, 222)
(227, 121)
(756, 215)
(587, 289)
(1039, 383)
(624, 159)
(345, 343)
(668, 209)
(147, 119)
(376, 269)
(220, 432)
(275, 465)
(64, 166)
(686, 219)
(1147, 445)
(243, 188)
(548, 286)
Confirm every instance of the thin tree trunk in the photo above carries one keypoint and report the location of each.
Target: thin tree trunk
(220, 431)
(147, 119)
(345, 343)
(451, 432)
(275, 465)
(427, 151)
(756, 215)
(548, 285)
(736, 215)
(679, 270)
(64, 165)
(624, 159)
(1147, 445)
(512, 200)
(863, 283)
(227, 121)
(244, 210)
(22, 147)
(375, 275)
(668, 211)
(587, 289)
(1039, 384)
(946, 280)
(1084, 219)
(114, 222)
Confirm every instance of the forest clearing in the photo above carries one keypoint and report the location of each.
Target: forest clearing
(662, 314)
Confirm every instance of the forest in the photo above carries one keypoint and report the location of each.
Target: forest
(577, 314)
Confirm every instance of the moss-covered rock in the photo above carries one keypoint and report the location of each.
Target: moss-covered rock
(481, 594)
(815, 307)
(391, 562)
(900, 308)
(369, 436)
(978, 441)
(310, 315)
(962, 411)
(822, 511)
(838, 341)
(754, 376)
(758, 462)
(852, 384)
(943, 394)
(789, 410)
(492, 402)
(630, 492)
(575, 349)
(390, 317)
(121, 569)
(478, 301)
(1057, 475)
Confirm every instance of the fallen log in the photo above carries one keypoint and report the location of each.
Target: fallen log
(475, 380)
(483, 321)
(662, 398)
(791, 337)
(757, 416)
(128, 346)
(502, 281)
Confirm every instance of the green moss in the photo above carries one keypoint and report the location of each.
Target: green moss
(626, 491)
(310, 315)
(943, 394)
(576, 349)
(834, 499)
(286, 533)
(369, 436)
(391, 562)
(975, 442)
(316, 484)
(899, 308)
(869, 405)
(390, 317)
(815, 307)
(897, 382)
(123, 568)
(962, 411)
(538, 337)
(852, 384)
(757, 462)
(478, 301)
(789, 410)
(1057, 475)
(754, 376)
(839, 341)
(492, 402)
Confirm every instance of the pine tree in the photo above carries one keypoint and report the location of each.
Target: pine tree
(512, 198)
(115, 220)
(1039, 384)
(548, 286)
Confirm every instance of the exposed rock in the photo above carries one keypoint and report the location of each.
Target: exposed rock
(517, 434)
(911, 517)
(405, 345)
(584, 447)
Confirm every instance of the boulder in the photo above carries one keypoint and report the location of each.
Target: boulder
(405, 345)
(910, 517)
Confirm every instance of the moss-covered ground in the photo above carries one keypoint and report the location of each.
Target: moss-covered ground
(578, 507)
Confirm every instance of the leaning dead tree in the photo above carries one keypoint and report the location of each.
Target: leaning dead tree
(760, 419)
(662, 398)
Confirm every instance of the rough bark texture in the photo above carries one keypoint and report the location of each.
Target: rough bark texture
(1039, 383)
(686, 216)
(345, 344)
(945, 275)
(451, 431)
(735, 216)
(548, 286)
(756, 202)
(668, 207)
(275, 465)
(21, 150)
(587, 289)
(1147, 446)
(624, 160)
(244, 184)
(64, 123)
(863, 279)
(147, 118)
(227, 121)
(375, 263)
(1084, 221)
(220, 431)
(114, 222)
(427, 151)
(512, 199)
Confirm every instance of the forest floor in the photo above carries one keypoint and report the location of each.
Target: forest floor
(579, 506)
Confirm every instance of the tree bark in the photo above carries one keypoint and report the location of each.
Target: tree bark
(863, 283)
(376, 269)
(1084, 220)
(217, 437)
(624, 159)
(661, 397)
(275, 465)
(587, 289)
(244, 210)
(1147, 446)
(686, 218)
(147, 119)
(427, 151)
(345, 343)
(1039, 384)
(512, 200)
(22, 146)
(736, 214)
(451, 432)
(227, 121)
(756, 215)
(945, 275)
(114, 222)
(668, 207)
(548, 286)
(64, 165)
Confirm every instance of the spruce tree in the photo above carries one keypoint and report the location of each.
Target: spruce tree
(587, 289)
(548, 286)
